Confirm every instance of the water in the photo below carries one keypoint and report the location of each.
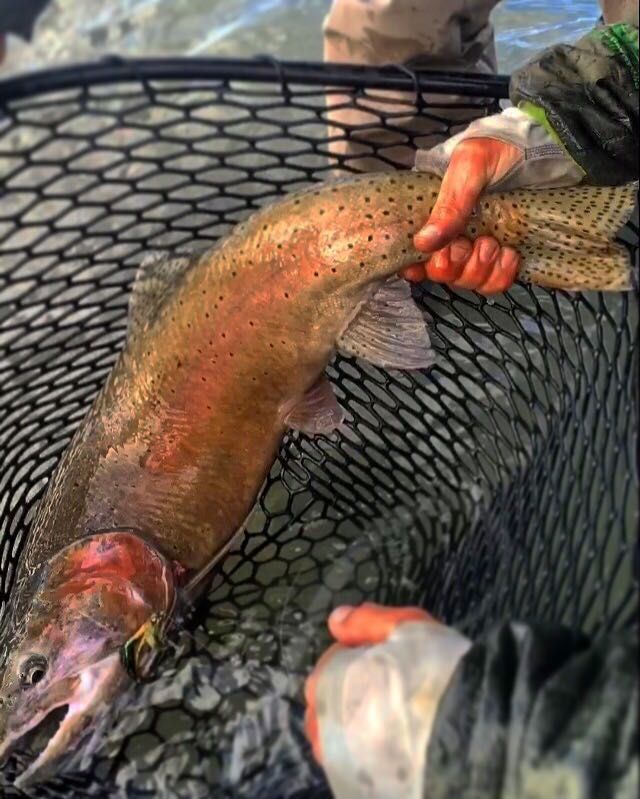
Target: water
(75, 30)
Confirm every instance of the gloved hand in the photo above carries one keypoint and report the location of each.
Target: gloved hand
(483, 264)
(365, 625)
(373, 699)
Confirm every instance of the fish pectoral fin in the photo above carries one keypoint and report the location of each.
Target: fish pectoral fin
(318, 412)
(389, 330)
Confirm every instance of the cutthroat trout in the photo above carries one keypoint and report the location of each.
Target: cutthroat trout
(225, 351)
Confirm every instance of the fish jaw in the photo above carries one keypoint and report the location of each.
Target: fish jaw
(88, 694)
(66, 651)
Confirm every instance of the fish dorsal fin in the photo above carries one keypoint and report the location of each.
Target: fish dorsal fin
(155, 280)
(389, 330)
(317, 413)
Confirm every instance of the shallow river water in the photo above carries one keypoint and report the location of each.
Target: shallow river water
(78, 30)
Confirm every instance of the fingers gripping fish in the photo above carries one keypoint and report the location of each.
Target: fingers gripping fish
(226, 350)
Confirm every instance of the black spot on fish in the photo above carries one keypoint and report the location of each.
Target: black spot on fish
(364, 778)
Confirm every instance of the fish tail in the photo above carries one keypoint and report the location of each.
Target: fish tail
(566, 237)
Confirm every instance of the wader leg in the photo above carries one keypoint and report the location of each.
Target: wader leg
(451, 35)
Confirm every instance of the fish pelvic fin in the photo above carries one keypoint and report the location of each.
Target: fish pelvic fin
(389, 330)
(566, 237)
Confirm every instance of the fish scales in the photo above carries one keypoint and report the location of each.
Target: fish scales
(184, 434)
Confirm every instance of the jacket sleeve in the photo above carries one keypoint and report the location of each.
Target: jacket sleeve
(538, 712)
(586, 96)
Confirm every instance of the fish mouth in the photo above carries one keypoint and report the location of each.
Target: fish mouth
(33, 742)
(57, 729)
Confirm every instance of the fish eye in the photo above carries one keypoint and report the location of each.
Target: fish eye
(33, 670)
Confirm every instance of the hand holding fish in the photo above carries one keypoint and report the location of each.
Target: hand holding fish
(482, 264)
(373, 697)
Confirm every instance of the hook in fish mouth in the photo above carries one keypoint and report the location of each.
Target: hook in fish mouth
(140, 654)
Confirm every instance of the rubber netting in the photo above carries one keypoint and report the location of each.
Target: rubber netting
(501, 483)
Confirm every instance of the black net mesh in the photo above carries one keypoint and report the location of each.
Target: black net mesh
(501, 483)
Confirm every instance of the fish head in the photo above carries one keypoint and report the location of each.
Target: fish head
(62, 659)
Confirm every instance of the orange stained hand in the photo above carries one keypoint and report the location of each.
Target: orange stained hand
(483, 264)
(364, 625)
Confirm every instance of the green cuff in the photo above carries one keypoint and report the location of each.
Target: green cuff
(622, 41)
(539, 115)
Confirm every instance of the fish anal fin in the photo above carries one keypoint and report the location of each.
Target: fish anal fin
(318, 412)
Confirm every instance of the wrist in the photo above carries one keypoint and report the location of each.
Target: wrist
(376, 708)
(541, 162)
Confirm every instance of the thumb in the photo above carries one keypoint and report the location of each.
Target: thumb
(370, 624)
(467, 176)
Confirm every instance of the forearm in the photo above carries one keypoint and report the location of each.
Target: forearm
(575, 116)
(537, 712)
(586, 95)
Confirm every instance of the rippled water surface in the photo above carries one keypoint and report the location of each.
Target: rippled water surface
(78, 30)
